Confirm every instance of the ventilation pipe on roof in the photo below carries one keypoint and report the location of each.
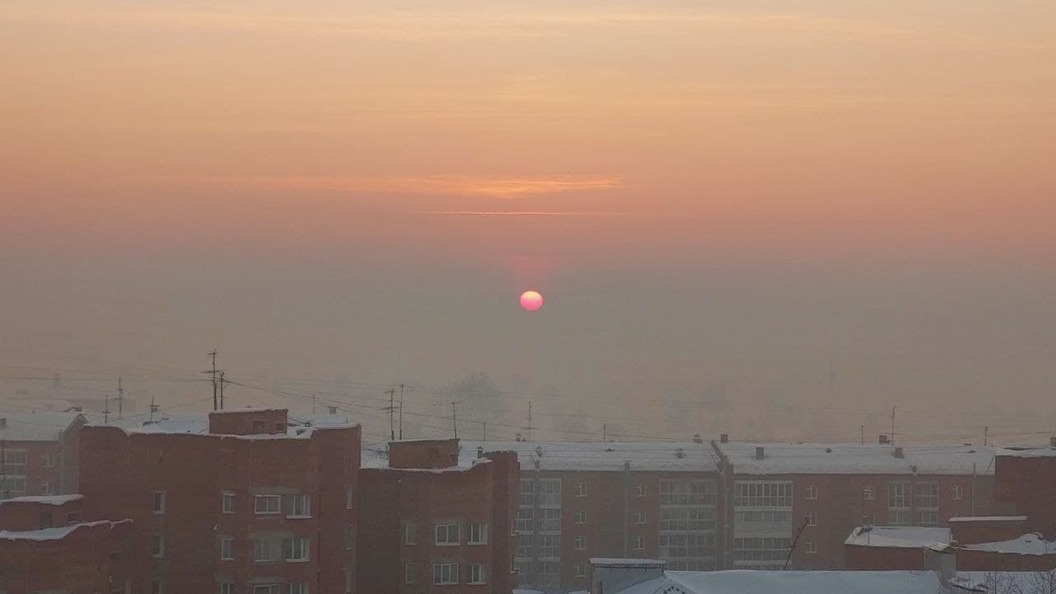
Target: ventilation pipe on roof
(680, 453)
(697, 438)
(759, 452)
(480, 452)
(724, 438)
(1052, 441)
(332, 409)
(899, 453)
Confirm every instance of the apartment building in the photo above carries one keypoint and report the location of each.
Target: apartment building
(822, 492)
(38, 453)
(249, 502)
(434, 518)
(605, 499)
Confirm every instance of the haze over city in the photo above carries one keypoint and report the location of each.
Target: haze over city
(776, 220)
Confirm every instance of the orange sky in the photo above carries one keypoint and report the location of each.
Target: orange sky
(584, 136)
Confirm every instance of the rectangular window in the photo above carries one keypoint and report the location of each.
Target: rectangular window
(445, 573)
(267, 504)
(227, 502)
(156, 587)
(476, 534)
(73, 518)
(812, 547)
(410, 534)
(410, 573)
(299, 588)
(350, 538)
(47, 461)
(157, 546)
(226, 588)
(898, 510)
(812, 519)
(581, 570)
(266, 550)
(297, 549)
(158, 504)
(45, 520)
(810, 493)
(581, 489)
(581, 517)
(639, 543)
(300, 506)
(265, 589)
(350, 497)
(762, 494)
(760, 552)
(477, 574)
(958, 492)
(868, 493)
(926, 500)
(639, 517)
(447, 535)
(45, 488)
(581, 543)
(227, 548)
(639, 490)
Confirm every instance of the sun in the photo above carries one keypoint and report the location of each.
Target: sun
(531, 300)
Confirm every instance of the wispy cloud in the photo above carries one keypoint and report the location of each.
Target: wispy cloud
(436, 185)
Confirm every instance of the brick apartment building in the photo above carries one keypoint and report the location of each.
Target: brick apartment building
(249, 502)
(38, 453)
(825, 491)
(607, 499)
(46, 546)
(433, 519)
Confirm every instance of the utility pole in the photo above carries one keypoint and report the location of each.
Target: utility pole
(212, 372)
(862, 429)
(529, 420)
(604, 432)
(153, 409)
(106, 409)
(986, 435)
(454, 417)
(120, 400)
(392, 411)
(401, 412)
(893, 425)
(222, 391)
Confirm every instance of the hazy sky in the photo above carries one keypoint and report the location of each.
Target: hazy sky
(714, 197)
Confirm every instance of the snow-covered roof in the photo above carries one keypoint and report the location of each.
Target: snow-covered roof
(57, 533)
(966, 519)
(44, 499)
(298, 427)
(858, 459)
(1003, 581)
(38, 426)
(604, 456)
(1028, 544)
(789, 582)
(1039, 452)
(376, 455)
(901, 537)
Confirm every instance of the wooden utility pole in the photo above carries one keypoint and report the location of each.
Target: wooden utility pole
(401, 412)
(529, 420)
(120, 399)
(392, 411)
(454, 417)
(212, 373)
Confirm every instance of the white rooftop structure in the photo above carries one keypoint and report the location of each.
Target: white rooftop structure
(44, 499)
(298, 426)
(858, 459)
(1038, 452)
(901, 537)
(604, 456)
(1028, 544)
(58, 533)
(789, 582)
(38, 426)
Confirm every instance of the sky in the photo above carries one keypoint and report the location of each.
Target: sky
(777, 219)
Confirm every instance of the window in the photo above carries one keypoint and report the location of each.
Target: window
(47, 461)
(296, 549)
(639, 490)
(265, 550)
(762, 494)
(227, 502)
(445, 573)
(410, 534)
(265, 589)
(477, 574)
(581, 517)
(410, 573)
(581, 489)
(760, 551)
(926, 500)
(810, 492)
(898, 511)
(301, 506)
(812, 547)
(268, 504)
(227, 588)
(45, 488)
(73, 518)
(638, 516)
(958, 492)
(45, 520)
(350, 538)
(12, 473)
(350, 497)
(447, 535)
(299, 588)
(227, 548)
(550, 492)
(476, 534)
(158, 506)
(581, 570)
(581, 543)
(157, 546)
(868, 493)
(639, 543)
(687, 522)
(812, 519)
(156, 587)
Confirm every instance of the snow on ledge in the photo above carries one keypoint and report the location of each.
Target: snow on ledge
(989, 519)
(52, 534)
(1028, 544)
(44, 499)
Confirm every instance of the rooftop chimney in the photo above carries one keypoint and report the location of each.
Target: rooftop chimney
(480, 452)
(883, 439)
(898, 452)
(332, 409)
(759, 452)
(724, 438)
(697, 438)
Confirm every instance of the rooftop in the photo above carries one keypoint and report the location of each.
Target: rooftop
(1038, 452)
(858, 459)
(47, 534)
(298, 426)
(1028, 544)
(902, 537)
(989, 519)
(44, 499)
(789, 582)
(38, 426)
(376, 455)
(604, 456)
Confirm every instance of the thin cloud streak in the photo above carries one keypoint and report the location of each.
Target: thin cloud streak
(437, 185)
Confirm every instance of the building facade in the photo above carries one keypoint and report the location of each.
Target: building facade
(434, 519)
(249, 503)
(38, 453)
